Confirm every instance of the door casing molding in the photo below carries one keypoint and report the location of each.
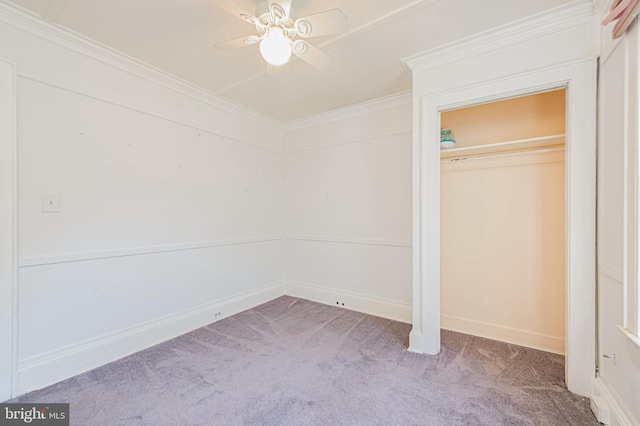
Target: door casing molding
(579, 78)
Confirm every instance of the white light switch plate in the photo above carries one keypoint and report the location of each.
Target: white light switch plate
(50, 202)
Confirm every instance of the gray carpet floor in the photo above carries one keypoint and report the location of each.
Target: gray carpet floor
(295, 362)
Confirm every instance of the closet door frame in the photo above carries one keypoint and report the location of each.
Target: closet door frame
(579, 80)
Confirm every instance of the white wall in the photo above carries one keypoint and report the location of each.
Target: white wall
(8, 234)
(348, 208)
(617, 388)
(171, 205)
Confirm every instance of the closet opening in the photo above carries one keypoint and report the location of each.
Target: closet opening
(502, 220)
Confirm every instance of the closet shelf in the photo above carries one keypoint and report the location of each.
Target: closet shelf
(504, 147)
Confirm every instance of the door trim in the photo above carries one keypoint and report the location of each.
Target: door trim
(579, 78)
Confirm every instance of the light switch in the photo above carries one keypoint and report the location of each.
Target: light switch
(50, 202)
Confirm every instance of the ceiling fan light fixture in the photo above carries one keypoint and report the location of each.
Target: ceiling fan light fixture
(275, 47)
(278, 29)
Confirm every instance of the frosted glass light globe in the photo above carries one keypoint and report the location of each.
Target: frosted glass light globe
(275, 47)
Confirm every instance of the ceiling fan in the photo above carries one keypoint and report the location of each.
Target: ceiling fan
(278, 32)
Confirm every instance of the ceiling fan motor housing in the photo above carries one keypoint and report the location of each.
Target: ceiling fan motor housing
(275, 16)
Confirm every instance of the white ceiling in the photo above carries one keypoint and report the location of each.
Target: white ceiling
(178, 36)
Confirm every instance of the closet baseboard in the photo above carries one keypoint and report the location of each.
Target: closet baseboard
(526, 338)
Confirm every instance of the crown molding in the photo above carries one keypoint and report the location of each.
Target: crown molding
(68, 39)
(575, 13)
(367, 107)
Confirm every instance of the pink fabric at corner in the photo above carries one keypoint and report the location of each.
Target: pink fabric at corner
(624, 11)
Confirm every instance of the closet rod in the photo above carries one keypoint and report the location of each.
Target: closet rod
(508, 154)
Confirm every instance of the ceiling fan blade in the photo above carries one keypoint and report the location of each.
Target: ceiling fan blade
(328, 22)
(311, 54)
(239, 42)
(237, 11)
(282, 5)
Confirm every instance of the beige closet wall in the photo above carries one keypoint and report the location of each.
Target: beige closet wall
(525, 117)
(502, 225)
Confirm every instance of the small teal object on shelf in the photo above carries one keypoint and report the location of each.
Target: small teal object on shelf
(447, 140)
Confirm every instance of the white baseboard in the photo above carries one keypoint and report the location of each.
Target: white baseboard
(504, 334)
(379, 307)
(607, 406)
(46, 369)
